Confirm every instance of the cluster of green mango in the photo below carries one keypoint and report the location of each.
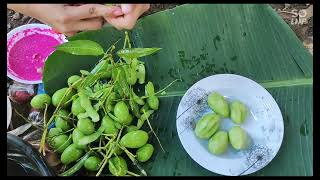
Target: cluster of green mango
(99, 118)
(208, 126)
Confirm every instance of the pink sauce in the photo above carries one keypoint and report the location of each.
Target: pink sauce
(27, 56)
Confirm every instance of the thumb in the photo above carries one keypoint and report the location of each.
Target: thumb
(127, 8)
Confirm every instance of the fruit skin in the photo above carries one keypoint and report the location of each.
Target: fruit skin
(131, 128)
(238, 137)
(218, 143)
(39, 101)
(54, 132)
(207, 126)
(145, 152)
(72, 80)
(238, 112)
(134, 139)
(121, 111)
(118, 166)
(86, 126)
(153, 102)
(110, 125)
(76, 107)
(57, 96)
(218, 104)
(61, 142)
(71, 154)
(92, 163)
(61, 122)
(76, 135)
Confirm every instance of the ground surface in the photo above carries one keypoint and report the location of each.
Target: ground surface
(286, 11)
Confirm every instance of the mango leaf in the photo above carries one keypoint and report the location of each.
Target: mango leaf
(131, 53)
(205, 39)
(81, 47)
(61, 65)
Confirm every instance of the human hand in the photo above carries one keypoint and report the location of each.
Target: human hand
(68, 19)
(129, 16)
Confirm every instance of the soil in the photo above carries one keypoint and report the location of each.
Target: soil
(304, 32)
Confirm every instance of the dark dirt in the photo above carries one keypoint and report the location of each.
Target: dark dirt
(159, 7)
(304, 32)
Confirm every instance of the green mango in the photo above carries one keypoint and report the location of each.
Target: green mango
(76, 107)
(145, 152)
(218, 104)
(207, 126)
(40, 101)
(239, 138)
(218, 143)
(238, 112)
(71, 154)
(118, 166)
(134, 139)
(58, 95)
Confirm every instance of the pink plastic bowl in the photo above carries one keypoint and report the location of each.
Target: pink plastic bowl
(26, 30)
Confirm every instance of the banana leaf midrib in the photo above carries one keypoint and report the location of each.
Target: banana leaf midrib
(267, 85)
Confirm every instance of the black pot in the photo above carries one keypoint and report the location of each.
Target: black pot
(24, 160)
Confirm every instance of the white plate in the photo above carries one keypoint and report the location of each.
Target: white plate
(25, 30)
(264, 124)
(9, 112)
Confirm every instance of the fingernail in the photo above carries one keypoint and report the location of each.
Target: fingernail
(117, 12)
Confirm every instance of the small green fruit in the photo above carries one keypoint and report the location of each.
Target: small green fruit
(207, 126)
(218, 143)
(238, 112)
(218, 104)
(238, 138)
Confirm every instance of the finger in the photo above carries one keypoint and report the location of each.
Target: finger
(88, 24)
(69, 34)
(112, 23)
(117, 12)
(131, 8)
(89, 11)
(123, 22)
(128, 20)
(127, 8)
(146, 7)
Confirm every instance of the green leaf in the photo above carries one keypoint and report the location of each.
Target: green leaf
(123, 81)
(136, 52)
(81, 47)
(61, 65)
(202, 40)
(133, 105)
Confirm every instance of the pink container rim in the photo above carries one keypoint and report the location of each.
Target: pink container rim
(17, 33)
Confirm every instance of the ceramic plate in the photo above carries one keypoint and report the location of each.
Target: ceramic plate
(264, 124)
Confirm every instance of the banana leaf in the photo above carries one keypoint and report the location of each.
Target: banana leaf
(201, 40)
